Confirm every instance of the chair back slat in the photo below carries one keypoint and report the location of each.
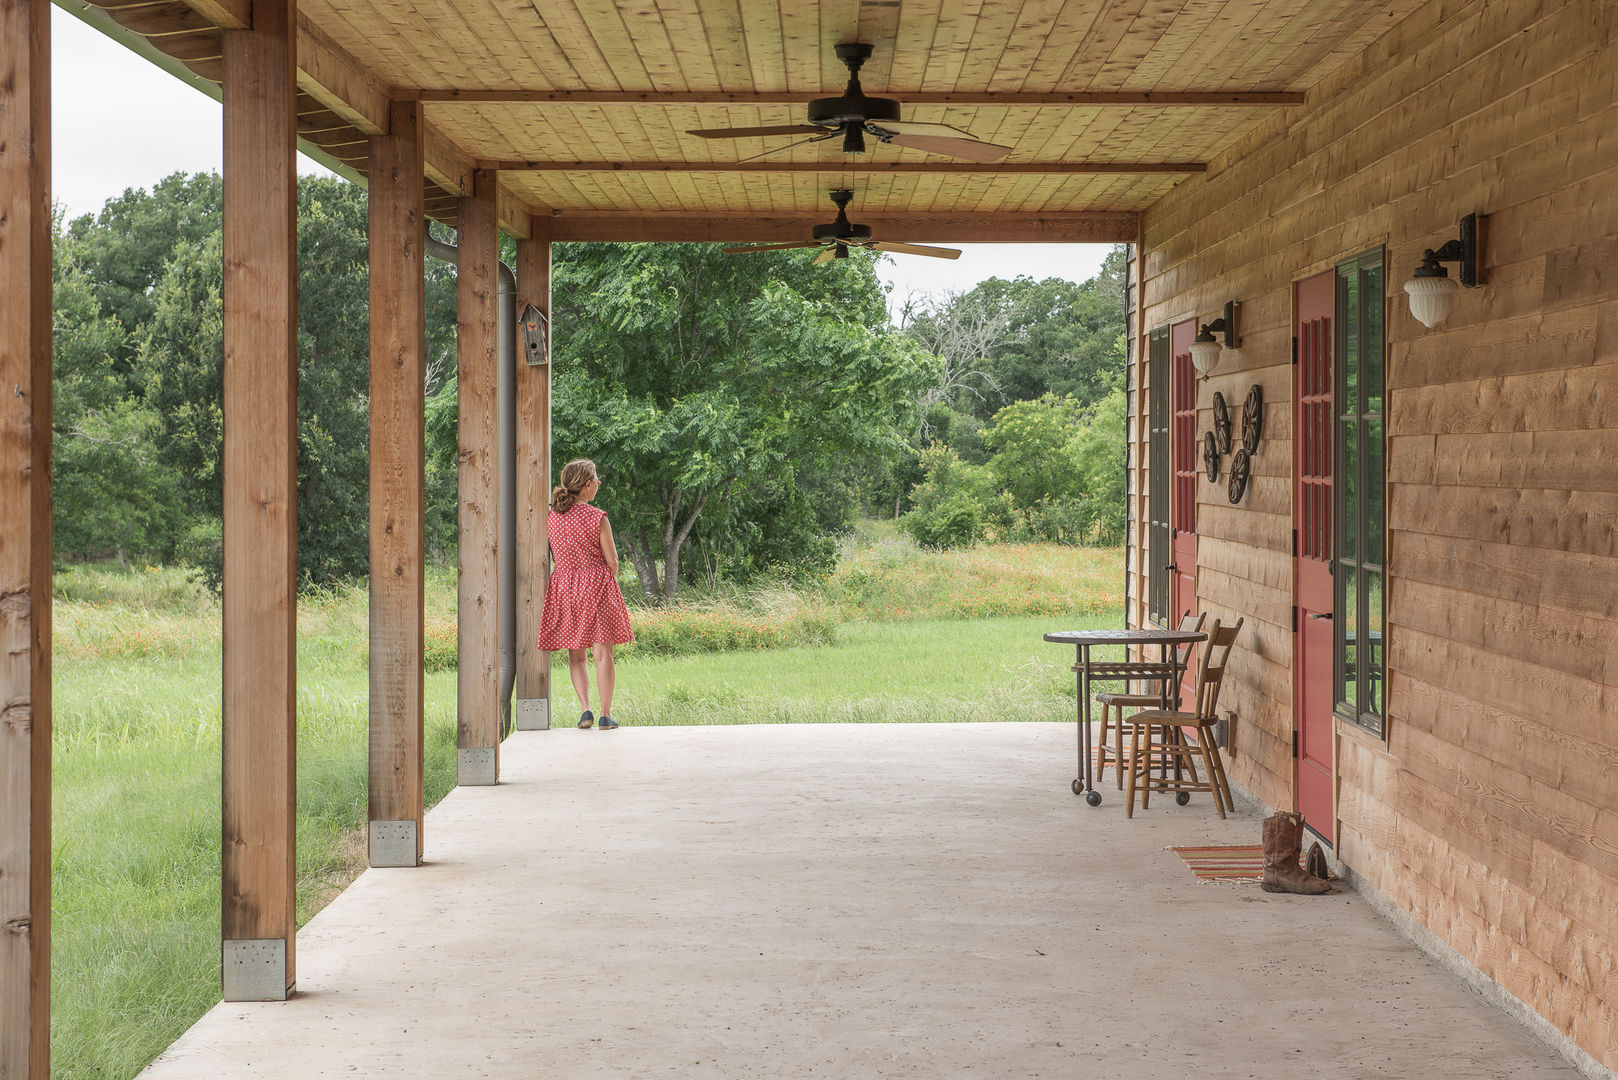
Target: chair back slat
(1211, 672)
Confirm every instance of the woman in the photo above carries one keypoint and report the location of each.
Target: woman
(583, 605)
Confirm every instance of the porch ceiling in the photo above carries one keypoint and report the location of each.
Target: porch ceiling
(583, 105)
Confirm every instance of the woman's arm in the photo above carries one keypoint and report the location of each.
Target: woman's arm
(609, 550)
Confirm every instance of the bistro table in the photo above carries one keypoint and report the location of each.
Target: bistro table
(1166, 672)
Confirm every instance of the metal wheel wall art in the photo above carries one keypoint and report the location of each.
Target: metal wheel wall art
(1221, 424)
(1210, 456)
(1240, 469)
(1252, 420)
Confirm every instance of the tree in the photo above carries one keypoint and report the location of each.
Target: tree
(110, 493)
(702, 383)
(126, 248)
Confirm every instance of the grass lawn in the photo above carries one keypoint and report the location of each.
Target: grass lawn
(894, 635)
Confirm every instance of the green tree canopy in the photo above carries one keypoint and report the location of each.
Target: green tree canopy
(704, 384)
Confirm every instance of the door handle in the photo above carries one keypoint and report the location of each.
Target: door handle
(1172, 566)
(1321, 615)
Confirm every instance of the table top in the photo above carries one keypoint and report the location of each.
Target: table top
(1145, 636)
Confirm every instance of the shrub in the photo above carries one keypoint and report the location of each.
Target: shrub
(954, 523)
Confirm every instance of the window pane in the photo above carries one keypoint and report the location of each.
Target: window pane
(1348, 485)
(1371, 345)
(1349, 361)
(1348, 623)
(1375, 492)
(1373, 652)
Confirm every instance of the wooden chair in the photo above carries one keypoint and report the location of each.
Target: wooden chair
(1159, 736)
(1113, 706)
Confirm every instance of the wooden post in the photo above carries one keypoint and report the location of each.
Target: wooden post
(477, 735)
(533, 709)
(259, 729)
(25, 539)
(398, 485)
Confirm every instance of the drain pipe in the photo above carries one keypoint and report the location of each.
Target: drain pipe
(506, 405)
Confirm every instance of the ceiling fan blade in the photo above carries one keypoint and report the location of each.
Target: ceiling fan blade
(792, 146)
(915, 249)
(951, 145)
(826, 256)
(769, 247)
(753, 132)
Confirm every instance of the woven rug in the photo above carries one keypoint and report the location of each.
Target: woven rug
(1241, 862)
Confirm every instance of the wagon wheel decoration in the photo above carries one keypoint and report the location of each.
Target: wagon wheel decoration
(1221, 426)
(1210, 456)
(1240, 468)
(1252, 419)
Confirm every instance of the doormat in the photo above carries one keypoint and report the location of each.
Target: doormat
(1241, 862)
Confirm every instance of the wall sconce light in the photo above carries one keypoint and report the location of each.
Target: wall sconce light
(1431, 289)
(1205, 347)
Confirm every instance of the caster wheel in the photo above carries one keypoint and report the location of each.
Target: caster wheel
(1093, 797)
(1078, 787)
(1182, 797)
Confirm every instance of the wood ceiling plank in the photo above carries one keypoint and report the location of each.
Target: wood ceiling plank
(1154, 20)
(682, 20)
(761, 26)
(1165, 59)
(878, 24)
(800, 43)
(1209, 54)
(572, 34)
(547, 63)
(957, 23)
(726, 39)
(932, 164)
(839, 22)
(337, 81)
(982, 52)
(1074, 62)
(1284, 49)
(912, 42)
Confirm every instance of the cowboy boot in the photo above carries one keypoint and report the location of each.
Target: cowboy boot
(1283, 837)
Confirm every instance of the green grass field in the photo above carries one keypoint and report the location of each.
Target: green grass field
(896, 635)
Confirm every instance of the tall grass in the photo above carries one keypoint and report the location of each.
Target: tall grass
(894, 635)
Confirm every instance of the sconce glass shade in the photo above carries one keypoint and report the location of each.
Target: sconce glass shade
(1204, 353)
(1430, 298)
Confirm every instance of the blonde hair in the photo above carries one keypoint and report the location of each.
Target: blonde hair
(576, 476)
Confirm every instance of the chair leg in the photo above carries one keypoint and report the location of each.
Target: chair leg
(1224, 781)
(1205, 744)
(1134, 767)
(1145, 754)
(1118, 753)
(1101, 745)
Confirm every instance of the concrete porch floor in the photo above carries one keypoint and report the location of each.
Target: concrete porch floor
(840, 901)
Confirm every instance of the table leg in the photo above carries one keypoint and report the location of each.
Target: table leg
(1083, 784)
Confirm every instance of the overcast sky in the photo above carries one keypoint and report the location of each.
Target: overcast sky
(119, 122)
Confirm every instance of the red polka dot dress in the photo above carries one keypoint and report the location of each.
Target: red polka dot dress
(583, 604)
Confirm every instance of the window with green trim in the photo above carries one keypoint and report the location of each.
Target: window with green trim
(1359, 572)
(1159, 537)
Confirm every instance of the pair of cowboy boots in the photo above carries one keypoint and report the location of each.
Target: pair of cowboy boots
(1283, 840)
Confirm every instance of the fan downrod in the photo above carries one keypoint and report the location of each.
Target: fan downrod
(842, 228)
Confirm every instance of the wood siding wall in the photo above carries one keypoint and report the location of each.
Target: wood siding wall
(1489, 814)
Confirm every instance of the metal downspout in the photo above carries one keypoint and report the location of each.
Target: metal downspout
(506, 405)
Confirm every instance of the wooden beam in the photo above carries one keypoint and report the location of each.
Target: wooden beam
(1051, 168)
(259, 707)
(339, 82)
(513, 214)
(25, 539)
(533, 708)
(398, 485)
(1074, 99)
(477, 733)
(1051, 228)
(445, 164)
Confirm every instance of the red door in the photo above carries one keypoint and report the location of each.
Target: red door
(1314, 302)
(1183, 510)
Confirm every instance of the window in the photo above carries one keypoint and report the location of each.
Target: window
(1159, 539)
(1359, 577)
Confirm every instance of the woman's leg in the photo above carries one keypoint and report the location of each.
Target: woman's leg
(605, 676)
(581, 678)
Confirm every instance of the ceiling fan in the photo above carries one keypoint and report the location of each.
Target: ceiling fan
(854, 116)
(840, 235)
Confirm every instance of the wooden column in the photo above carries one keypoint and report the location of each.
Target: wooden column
(398, 486)
(477, 734)
(260, 580)
(533, 709)
(25, 539)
